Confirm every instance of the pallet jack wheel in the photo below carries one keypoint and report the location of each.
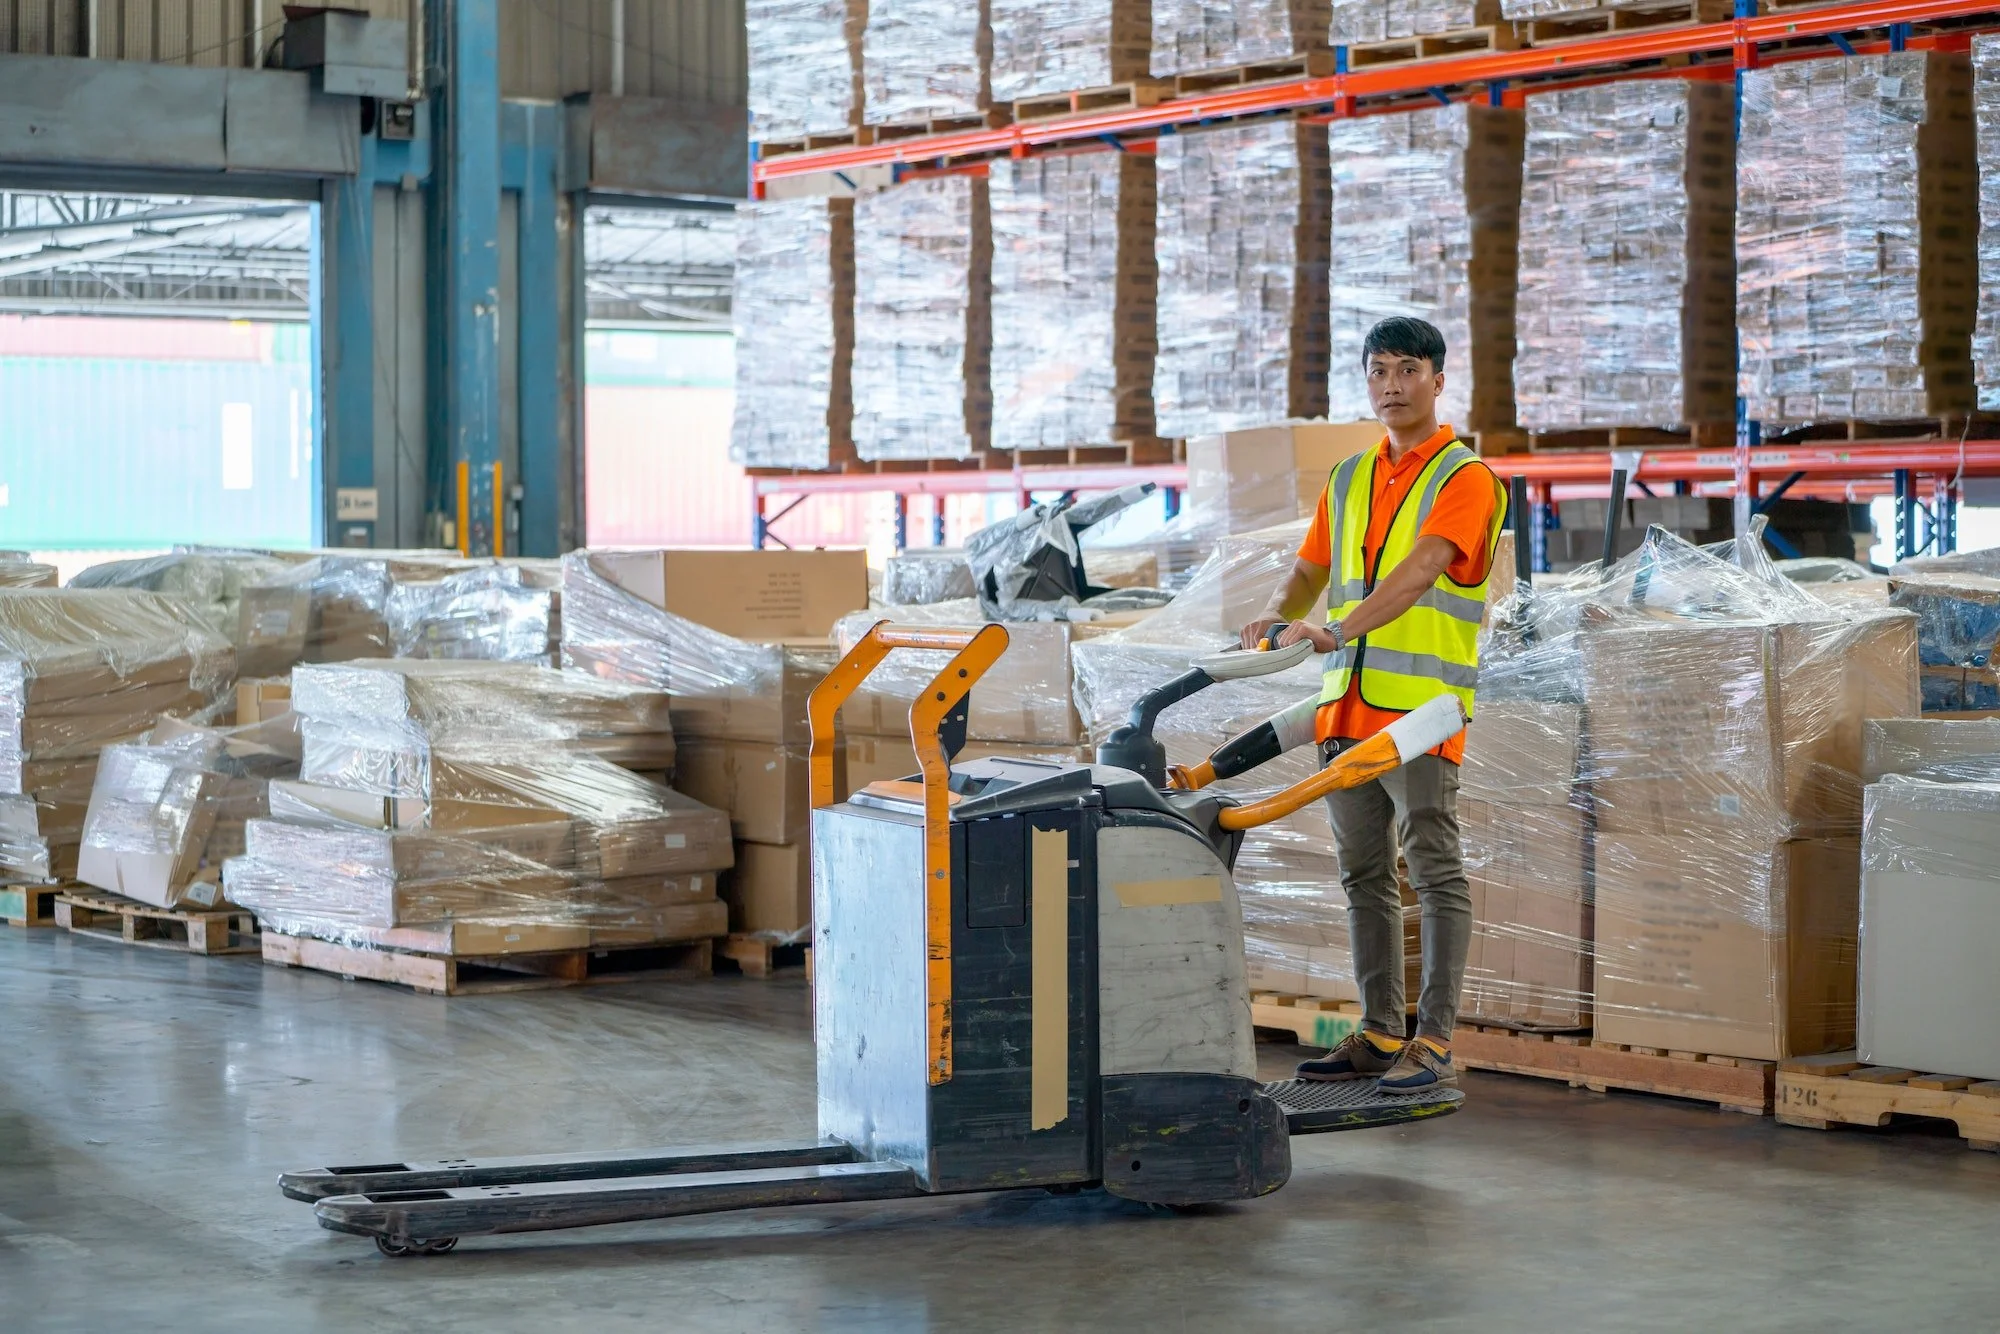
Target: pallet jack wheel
(389, 1246)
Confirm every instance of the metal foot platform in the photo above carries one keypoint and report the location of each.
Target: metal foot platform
(1312, 1107)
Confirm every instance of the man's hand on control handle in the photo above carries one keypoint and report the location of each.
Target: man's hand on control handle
(1253, 633)
(1322, 638)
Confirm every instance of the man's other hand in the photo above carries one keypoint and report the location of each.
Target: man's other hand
(1322, 640)
(1253, 633)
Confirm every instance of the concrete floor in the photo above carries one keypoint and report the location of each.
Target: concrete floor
(148, 1100)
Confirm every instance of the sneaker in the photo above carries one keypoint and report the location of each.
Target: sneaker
(1360, 1055)
(1420, 1068)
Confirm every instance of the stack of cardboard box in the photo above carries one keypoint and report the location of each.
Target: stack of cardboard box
(1262, 476)
(496, 613)
(81, 670)
(1073, 300)
(1426, 222)
(739, 638)
(1627, 266)
(1044, 47)
(794, 313)
(923, 320)
(925, 59)
(804, 66)
(1190, 36)
(1986, 117)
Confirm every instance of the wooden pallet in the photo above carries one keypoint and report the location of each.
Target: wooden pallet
(1433, 46)
(985, 460)
(1701, 435)
(446, 974)
(1141, 453)
(189, 930)
(990, 119)
(1283, 69)
(1313, 1020)
(860, 136)
(29, 905)
(1822, 1091)
(1109, 97)
(1489, 444)
(1978, 427)
(1582, 1061)
(1585, 25)
(758, 957)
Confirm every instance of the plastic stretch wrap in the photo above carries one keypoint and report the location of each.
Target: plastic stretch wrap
(1930, 913)
(1386, 20)
(720, 686)
(1190, 36)
(1986, 330)
(494, 613)
(794, 308)
(1426, 220)
(210, 581)
(1956, 600)
(918, 576)
(1857, 231)
(1934, 750)
(165, 814)
(326, 609)
(805, 66)
(925, 58)
(1041, 47)
(1627, 277)
(923, 326)
(1073, 300)
(1243, 256)
(1722, 709)
(27, 574)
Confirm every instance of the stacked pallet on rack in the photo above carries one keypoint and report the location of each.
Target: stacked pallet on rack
(1074, 289)
(1857, 226)
(927, 66)
(81, 670)
(923, 320)
(1426, 222)
(1205, 45)
(739, 639)
(804, 61)
(1627, 271)
(1554, 22)
(1051, 59)
(1389, 32)
(793, 305)
(438, 795)
(1986, 117)
(1243, 253)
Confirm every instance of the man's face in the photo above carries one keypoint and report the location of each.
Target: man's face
(1403, 390)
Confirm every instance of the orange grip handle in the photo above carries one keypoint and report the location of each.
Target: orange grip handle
(1360, 764)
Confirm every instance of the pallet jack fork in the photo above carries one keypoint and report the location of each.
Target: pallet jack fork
(1026, 974)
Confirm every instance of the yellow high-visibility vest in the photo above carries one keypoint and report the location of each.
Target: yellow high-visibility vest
(1431, 649)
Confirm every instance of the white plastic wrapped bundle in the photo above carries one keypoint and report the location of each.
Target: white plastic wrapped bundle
(211, 581)
(1386, 20)
(923, 326)
(1856, 234)
(1042, 47)
(1073, 300)
(27, 574)
(920, 576)
(1243, 292)
(805, 66)
(330, 608)
(1426, 220)
(1190, 36)
(1626, 271)
(794, 315)
(1986, 102)
(494, 614)
(922, 59)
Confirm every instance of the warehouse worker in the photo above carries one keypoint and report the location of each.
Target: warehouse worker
(1411, 527)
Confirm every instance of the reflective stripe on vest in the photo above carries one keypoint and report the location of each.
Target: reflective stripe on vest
(1431, 649)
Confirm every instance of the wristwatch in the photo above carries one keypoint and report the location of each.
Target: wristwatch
(1339, 637)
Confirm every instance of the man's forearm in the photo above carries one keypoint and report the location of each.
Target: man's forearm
(1296, 596)
(1399, 589)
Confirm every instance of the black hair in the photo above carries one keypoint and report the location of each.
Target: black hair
(1404, 336)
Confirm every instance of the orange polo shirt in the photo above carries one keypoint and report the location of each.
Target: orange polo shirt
(1462, 515)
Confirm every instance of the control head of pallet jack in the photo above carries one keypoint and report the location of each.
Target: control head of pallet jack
(1132, 746)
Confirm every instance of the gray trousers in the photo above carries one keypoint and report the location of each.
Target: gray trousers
(1421, 798)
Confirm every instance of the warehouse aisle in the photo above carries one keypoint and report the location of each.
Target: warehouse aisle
(148, 1101)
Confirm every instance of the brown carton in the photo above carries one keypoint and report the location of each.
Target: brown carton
(766, 789)
(261, 698)
(1720, 942)
(1529, 872)
(1522, 752)
(760, 595)
(1269, 474)
(770, 889)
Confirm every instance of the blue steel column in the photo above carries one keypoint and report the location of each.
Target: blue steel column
(534, 139)
(343, 322)
(466, 262)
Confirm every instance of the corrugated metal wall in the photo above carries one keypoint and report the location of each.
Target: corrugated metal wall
(549, 49)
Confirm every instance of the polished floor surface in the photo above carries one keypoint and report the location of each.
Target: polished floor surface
(148, 1100)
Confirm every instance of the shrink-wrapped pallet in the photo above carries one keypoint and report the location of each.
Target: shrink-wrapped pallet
(1242, 248)
(1073, 300)
(804, 66)
(794, 316)
(1426, 221)
(1386, 20)
(1986, 104)
(1192, 36)
(923, 320)
(1626, 268)
(925, 59)
(499, 613)
(27, 574)
(210, 581)
(1041, 47)
(1856, 239)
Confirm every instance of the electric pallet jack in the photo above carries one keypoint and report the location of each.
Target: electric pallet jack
(1025, 975)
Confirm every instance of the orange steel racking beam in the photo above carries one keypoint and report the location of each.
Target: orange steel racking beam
(1340, 92)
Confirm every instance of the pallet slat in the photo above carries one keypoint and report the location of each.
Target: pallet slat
(1283, 69)
(758, 957)
(29, 905)
(469, 975)
(1584, 25)
(1842, 1091)
(1433, 46)
(1109, 97)
(187, 930)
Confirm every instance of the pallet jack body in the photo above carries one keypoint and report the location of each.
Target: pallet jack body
(1027, 974)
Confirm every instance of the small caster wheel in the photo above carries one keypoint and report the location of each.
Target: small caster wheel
(390, 1246)
(442, 1246)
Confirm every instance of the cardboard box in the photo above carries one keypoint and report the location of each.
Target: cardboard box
(1742, 726)
(1522, 753)
(766, 789)
(1269, 475)
(1720, 942)
(759, 595)
(763, 698)
(1930, 926)
(770, 889)
(1948, 750)
(1024, 698)
(273, 621)
(1299, 970)
(1529, 870)
(261, 698)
